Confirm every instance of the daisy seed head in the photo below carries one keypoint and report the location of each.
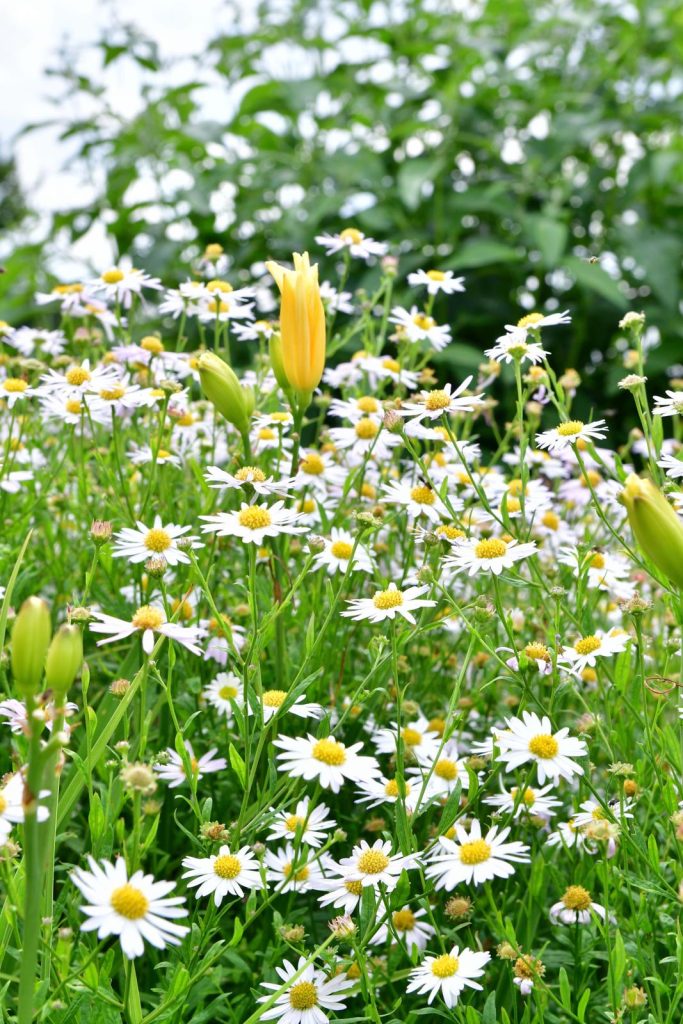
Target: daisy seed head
(576, 898)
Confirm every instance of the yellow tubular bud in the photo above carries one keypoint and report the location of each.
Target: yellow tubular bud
(223, 389)
(655, 525)
(64, 658)
(302, 323)
(30, 640)
(275, 349)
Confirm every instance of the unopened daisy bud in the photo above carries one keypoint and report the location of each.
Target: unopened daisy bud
(484, 610)
(389, 265)
(120, 687)
(223, 389)
(637, 605)
(9, 851)
(634, 998)
(458, 906)
(570, 380)
(139, 778)
(656, 527)
(156, 566)
(79, 614)
(151, 807)
(293, 932)
(392, 422)
(632, 321)
(339, 836)
(316, 544)
(425, 574)
(342, 927)
(533, 409)
(64, 658)
(100, 531)
(215, 831)
(631, 382)
(506, 951)
(30, 641)
(630, 787)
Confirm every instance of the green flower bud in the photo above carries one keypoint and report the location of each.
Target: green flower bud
(223, 389)
(275, 349)
(655, 525)
(30, 641)
(64, 658)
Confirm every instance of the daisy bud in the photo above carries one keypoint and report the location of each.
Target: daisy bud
(100, 532)
(30, 641)
(64, 658)
(215, 831)
(634, 998)
(632, 321)
(389, 265)
(655, 525)
(316, 544)
(392, 422)
(223, 389)
(506, 951)
(342, 927)
(119, 687)
(293, 932)
(302, 324)
(139, 778)
(631, 787)
(458, 906)
(156, 566)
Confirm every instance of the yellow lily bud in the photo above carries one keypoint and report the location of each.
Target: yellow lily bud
(64, 658)
(30, 640)
(275, 350)
(655, 525)
(223, 389)
(302, 323)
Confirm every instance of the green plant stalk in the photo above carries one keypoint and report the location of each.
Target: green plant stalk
(53, 777)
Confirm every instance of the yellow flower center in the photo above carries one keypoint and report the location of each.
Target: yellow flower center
(341, 549)
(185, 420)
(450, 532)
(537, 651)
(250, 473)
(436, 275)
(391, 788)
(352, 235)
(299, 876)
(129, 902)
(219, 286)
(528, 798)
(213, 251)
(14, 384)
(587, 645)
(307, 506)
(446, 769)
(384, 599)
(227, 692)
(254, 518)
(355, 888)
(368, 491)
(544, 746)
(475, 852)
(329, 752)
(445, 966)
(266, 434)
(148, 617)
(598, 814)
(158, 540)
(391, 364)
(570, 428)
(303, 996)
(437, 400)
(3, 804)
(313, 465)
(293, 822)
(373, 862)
(77, 375)
(592, 478)
(576, 898)
(424, 322)
(367, 404)
(530, 319)
(73, 406)
(112, 276)
(67, 289)
(151, 343)
(404, 920)
(163, 454)
(492, 548)
(411, 737)
(551, 520)
(112, 394)
(366, 429)
(423, 495)
(597, 561)
(227, 866)
(274, 698)
(281, 417)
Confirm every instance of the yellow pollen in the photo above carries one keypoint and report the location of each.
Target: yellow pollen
(293, 822)
(266, 434)
(227, 692)
(475, 852)
(423, 495)
(250, 473)
(366, 429)
(437, 725)
(163, 454)
(185, 420)
(299, 876)
(391, 788)
(411, 737)
(437, 400)
(391, 364)
(445, 966)
(147, 617)
(355, 888)
(280, 417)
(303, 996)
(129, 902)
(151, 343)
(570, 428)
(513, 504)
(352, 235)
(274, 698)
(3, 804)
(592, 478)
(530, 319)
(492, 548)
(158, 540)
(436, 275)
(367, 404)
(529, 797)
(307, 506)
(587, 645)
(373, 862)
(576, 898)
(424, 322)
(404, 920)
(384, 599)
(313, 465)
(67, 289)
(112, 276)
(14, 384)
(77, 375)
(368, 491)
(219, 286)
(226, 866)
(341, 549)
(450, 532)
(254, 518)
(551, 520)
(598, 814)
(329, 752)
(213, 251)
(597, 561)
(515, 487)
(537, 651)
(73, 406)
(446, 769)
(112, 394)
(544, 746)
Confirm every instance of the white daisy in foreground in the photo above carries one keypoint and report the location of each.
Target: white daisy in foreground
(414, 326)
(586, 650)
(420, 500)
(575, 907)
(224, 692)
(12, 805)
(297, 870)
(273, 700)
(224, 873)
(419, 739)
(245, 477)
(448, 974)
(442, 769)
(136, 908)
(531, 738)
(148, 620)
(437, 281)
(534, 321)
(407, 927)
(490, 555)
(529, 802)
(672, 405)
(173, 771)
(327, 760)
(138, 545)
(339, 554)
(311, 824)
(570, 433)
(353, 241)
(307, 995)
(78, 378)
(374, 792)
(372, 865)
(387, 604)
(253, 523)
(469, 857)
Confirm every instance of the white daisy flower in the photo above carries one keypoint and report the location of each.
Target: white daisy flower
(432, 405)
(224, 873)
(407, 924)
(120, 285)
(273, 700)
(136, 909)
(253, 523)
(13, 389)
(531, 738)
(318, 470)
(69, 296)
(535, 803)
(253, 331)
(308, 995)
(419, 739)
(335, 301)
(375, 865)
(490, 555)
(381, 368)
(570, 433)
(592, 811)
(339, 553)
(514, 346)
(173, 771)
(143, 455)
(354, 242)
(294, 870)
(13, 480)
(585, 652)
(246, 477)
(78, 378)
(27, 339)
(672, 405)
(437, 281)
(148, 620)
(138, 545)
(672, 465)
(386, 604)
(443, 769)
(364, 437)
(471, 858)
(533, 652)
(327, 760)
(420, 500)
(342, 893)
(374, 792)
(414, 326)
(355, 409)
(448, 974)
(12, 805)
(576, 907)
(310, 824)
(224, 692)
(567, 834)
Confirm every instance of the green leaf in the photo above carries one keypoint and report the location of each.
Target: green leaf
(547, 235)
(489, 1012)
(565, 990)
(483, 252)
(237, 764)
(594, 278)
(412, 177)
